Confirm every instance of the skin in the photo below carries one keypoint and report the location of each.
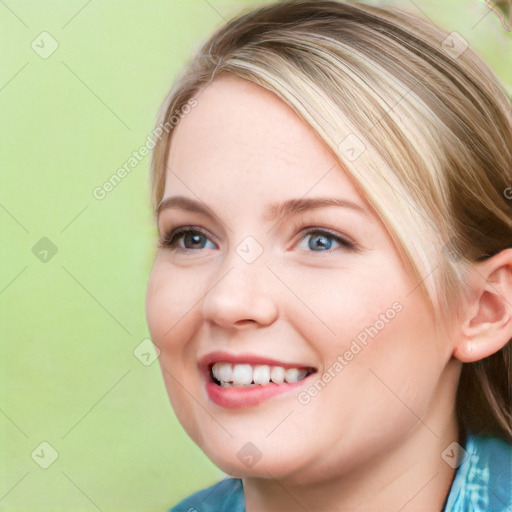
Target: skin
(372, 438)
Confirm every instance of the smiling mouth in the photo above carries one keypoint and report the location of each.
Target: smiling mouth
(227, 375)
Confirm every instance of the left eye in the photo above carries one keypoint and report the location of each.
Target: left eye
(321, 241)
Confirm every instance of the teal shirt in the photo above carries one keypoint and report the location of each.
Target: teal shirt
(482, 483)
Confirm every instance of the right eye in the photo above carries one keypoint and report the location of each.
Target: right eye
(186, 239)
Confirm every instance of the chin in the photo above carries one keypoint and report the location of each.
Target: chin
(278, 469)
(243, 460)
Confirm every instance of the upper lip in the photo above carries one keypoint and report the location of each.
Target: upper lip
(210, 359)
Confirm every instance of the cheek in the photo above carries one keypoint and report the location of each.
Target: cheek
(172, 316)
(348, 302)
(375, 336)
(409, 357)
(394, 376)
(171, 300)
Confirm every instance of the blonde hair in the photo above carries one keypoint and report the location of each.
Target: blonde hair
(418, 121)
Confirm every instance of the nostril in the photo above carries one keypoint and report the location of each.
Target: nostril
(248, 322)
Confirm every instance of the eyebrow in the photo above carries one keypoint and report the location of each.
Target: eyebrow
(273, 212)
(293, 206)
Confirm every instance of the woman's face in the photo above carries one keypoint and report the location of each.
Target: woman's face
(284, 274)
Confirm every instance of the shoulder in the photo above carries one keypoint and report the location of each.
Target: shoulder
(483, 482)
(225, 496)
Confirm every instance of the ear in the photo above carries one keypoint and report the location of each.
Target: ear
(487, 317)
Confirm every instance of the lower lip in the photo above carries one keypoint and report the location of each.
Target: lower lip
(251, 396)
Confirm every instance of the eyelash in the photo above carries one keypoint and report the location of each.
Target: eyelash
(170, 239)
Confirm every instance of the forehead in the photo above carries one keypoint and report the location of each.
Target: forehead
(243, 139)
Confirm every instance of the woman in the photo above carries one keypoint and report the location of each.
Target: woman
(332, 291)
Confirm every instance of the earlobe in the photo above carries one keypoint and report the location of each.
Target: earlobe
(487, 325)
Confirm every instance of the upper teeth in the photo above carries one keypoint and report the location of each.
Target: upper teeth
(245, 374)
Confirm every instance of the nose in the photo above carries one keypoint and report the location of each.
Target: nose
(240, 297)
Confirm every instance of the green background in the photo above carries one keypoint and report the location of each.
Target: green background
(71, 321)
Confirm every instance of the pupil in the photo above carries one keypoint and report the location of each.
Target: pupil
(194, 240)
(320, 242)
